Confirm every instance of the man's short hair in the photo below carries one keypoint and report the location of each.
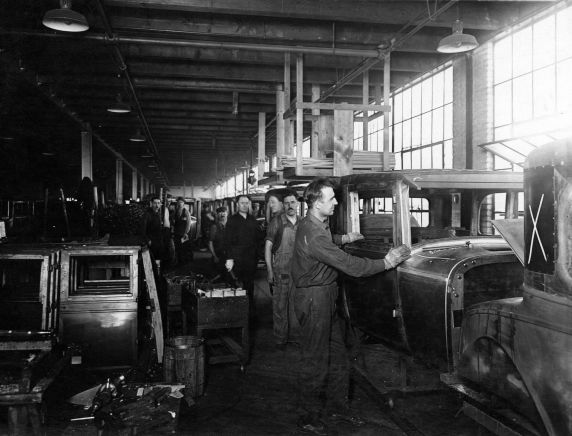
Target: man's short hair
(221, 209)
(181, 199)
(313, 191)
(288, 192)
(154, 197)
(238, 197)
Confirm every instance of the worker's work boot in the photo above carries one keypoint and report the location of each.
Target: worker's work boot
(311, 424)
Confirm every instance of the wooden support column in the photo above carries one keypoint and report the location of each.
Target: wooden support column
(378, 93)
(86, 155)
(401, 214)
(325, 135)
(279, 129)
(299, 112)
(141, 185)
(119, 181)
(456, 209)
(365, 100)
(315, 139)
(288, 124)
(134, 184)
(511, 207)
(261, 143)
(343, 142)
(386, 115)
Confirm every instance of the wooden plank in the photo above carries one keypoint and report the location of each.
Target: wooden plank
(299, 111)
(155, 310)
(261, 144)
(325, 135)
(315, 140)
(343, 142)
(386, 89)
(279, 126)
(344, 107)
(365, 100)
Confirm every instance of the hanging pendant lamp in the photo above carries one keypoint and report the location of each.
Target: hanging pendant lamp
(457, 42)
(65, 19)
(119, 107)
(137, 137)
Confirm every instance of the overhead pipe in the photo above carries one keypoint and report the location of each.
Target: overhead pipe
(125, 71)
(276, 48)
(367, 64)
(370, 61)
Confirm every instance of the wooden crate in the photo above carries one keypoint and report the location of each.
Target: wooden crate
(214, 313)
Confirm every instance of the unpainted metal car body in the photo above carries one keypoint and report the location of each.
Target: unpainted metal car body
(514, 361)
(419, 307)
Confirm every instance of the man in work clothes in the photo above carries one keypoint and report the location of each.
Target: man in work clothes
(241, 239)
(216, 240)
(181, 227)
(278, 249)
(324, 364)
(152, 230)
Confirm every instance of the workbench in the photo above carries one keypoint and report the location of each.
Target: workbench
(28, 368)
(224, 310)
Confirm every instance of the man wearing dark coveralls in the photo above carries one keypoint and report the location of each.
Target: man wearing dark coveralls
(324, 363)
(181, 227)
(241, 240)
(151, 228)
(278, 249)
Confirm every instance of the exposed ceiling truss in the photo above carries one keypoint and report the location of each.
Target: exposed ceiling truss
(197, 74)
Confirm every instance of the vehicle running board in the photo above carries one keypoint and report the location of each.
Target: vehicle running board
(478, 407)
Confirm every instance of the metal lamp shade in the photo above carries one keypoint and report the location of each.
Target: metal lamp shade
(138, 137)
(457, 42)
(65, 19)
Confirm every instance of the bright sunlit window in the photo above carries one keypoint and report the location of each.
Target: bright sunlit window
(422, 127)
(532, 87)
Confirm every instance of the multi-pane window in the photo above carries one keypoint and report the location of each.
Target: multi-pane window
(418, 207)
(531, 82)
(422, 123)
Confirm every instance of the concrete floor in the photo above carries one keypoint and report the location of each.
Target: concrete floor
(262, 400)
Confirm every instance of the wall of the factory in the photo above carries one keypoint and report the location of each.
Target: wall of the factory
(201, 192)
(482, 124)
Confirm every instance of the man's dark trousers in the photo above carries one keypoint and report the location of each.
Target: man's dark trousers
(324, 368)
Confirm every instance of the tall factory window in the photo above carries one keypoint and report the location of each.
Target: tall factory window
(532, 91)
(421, 123)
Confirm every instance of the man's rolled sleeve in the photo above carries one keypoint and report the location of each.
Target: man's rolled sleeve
(326, 251)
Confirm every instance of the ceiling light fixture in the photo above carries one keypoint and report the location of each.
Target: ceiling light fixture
(138, 137)
(457, 42)
(119, 107)
(65, 18)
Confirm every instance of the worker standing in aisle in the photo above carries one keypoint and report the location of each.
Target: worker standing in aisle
(242, 238)
(154, 229)
(278, 249)
(181, 227)
(324, 363)
(216, 240)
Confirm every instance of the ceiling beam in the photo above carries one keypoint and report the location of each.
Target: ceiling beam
(475, 14)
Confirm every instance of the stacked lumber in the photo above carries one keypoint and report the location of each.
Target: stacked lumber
(362, 161)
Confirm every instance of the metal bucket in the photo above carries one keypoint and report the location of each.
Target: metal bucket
(184, 363)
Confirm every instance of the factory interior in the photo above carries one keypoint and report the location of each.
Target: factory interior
(136, 134)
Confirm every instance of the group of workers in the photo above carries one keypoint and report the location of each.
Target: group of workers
(303, 259)
(162, 229)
